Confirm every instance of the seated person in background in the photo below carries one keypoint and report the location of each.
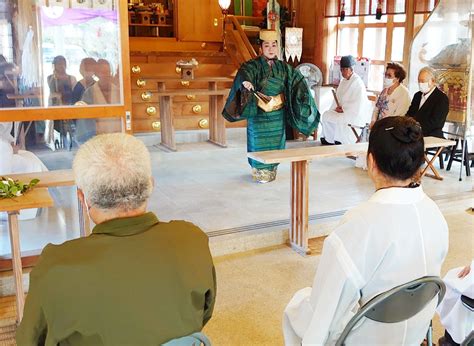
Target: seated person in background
(397, 236)
(135, 280)
(430, 106)
(13, 160)
(87, 70)
(353, 107)
(394, 99)
(455, 317)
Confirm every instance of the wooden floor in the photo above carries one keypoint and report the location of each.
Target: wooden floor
(7, 320)
(316, 245)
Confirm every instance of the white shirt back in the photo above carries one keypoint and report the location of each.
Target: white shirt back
(397, 236)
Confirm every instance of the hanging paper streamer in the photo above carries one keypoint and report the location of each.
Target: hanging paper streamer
(293, 43)
(29, 72)
(378, 13)
(342, 14)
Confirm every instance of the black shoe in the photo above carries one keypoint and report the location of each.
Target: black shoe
(325, 142)
(337, 143)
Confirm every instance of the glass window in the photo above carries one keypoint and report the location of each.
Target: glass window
(362, 7)
(348, 38)
(350, 20)
(397, 6)
(371, 19)
(374, 43)
(398, 41)
(376, 75)
(6, 47)
(400, 18)
(58, 46)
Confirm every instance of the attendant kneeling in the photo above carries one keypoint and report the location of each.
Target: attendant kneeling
(135, 280)
(398, 235)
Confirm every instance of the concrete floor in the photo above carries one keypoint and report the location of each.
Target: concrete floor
(212, 187)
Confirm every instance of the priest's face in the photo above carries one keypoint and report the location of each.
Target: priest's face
(269, 49)
(346, 72)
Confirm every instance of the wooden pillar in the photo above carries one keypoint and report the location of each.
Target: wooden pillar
(299, 207)
(409, 28)
(321, 36)
(166, 119)
(16, 262)
(217, 134)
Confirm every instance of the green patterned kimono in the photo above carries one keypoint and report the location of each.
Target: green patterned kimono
(266, 130)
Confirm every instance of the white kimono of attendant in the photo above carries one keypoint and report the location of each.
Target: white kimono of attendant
(22, 162)
(398, 235)
(352, 97)
(455, 317)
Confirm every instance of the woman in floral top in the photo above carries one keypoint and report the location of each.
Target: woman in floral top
(394, 99)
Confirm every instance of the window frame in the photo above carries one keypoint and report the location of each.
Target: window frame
(85, 112)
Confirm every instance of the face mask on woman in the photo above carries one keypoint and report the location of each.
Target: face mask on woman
(424, 87)
(388, 82)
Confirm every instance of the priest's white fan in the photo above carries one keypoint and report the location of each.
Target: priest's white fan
(314, 78)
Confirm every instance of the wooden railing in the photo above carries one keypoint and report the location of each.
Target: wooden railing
(236, 40)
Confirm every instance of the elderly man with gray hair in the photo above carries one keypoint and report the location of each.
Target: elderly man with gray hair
(430, 106)
(135, 280)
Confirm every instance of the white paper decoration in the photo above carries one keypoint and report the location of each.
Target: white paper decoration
(293, 43)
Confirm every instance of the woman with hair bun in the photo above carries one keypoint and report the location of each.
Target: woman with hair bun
(397, 236)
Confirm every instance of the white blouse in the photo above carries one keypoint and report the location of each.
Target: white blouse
(395, 104)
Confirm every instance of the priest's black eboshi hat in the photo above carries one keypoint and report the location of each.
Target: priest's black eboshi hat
(347, 61)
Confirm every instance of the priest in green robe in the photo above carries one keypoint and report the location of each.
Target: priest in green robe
(270, 94)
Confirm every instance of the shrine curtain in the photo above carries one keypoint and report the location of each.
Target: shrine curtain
(68, 16)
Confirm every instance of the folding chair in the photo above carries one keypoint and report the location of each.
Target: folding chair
(469, 304)
(363, 136)
(456, 155)
(399, 304)
(195, 339)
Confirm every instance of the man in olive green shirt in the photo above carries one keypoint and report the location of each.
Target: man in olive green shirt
(135, 280)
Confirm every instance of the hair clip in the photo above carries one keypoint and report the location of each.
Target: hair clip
(389, 128)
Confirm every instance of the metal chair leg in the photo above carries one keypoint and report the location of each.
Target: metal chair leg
(466, 159)
(452, 155)
(429, 335)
